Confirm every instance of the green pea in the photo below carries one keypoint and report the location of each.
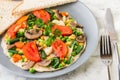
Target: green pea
(63, 39)
(75, 47)
(45, 33)
(20, 52)
(60, 65)
(11, 54)
(51, 34)
(23, 59)
(29, 28)
(32, 70)
(68, 40)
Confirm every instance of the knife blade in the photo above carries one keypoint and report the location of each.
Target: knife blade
(113, 34)
(110, 25)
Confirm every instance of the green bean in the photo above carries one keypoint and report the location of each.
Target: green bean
(79, 48)
(69, 60)
(73, 53)
(13, 41)
(12, 51)
(73, 43)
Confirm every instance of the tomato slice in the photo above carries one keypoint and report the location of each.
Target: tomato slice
(64, 29)
(60, 48)
(42, 14)
(15, 27)
(13, 30)
(31, 52)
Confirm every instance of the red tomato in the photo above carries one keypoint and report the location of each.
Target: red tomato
(60, 48)
(15, 27)
(13, 30)
(42, 14)
(64, 29)
(31, 52)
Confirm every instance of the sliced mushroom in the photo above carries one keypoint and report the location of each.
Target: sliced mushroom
(81, 38)
(44, 63)
(33, 34)
(53, 55)
(79, 26)
(10, 46)
(57, 14)
(27, 65)
(73, 24)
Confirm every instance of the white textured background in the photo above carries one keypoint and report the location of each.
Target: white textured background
(93, 69)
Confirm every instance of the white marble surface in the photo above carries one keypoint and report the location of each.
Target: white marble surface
(93, 69)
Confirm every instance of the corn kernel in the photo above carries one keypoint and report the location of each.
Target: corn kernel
(68, 43)
(42, 37)
(81, 44)
(44, 45)
(40, 44)
(25, 59)
(72, 36)
(23, 56)
(63, 63)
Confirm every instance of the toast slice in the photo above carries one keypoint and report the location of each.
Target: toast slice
(6, 17)
(30, 5)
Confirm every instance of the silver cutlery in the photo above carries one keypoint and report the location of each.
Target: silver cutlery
(106, 52)
(112, 32)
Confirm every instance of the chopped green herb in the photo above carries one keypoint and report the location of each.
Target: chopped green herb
(39, 23)
(50, 40)
(31, 20)
(57, 32)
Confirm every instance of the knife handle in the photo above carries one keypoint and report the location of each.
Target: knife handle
(117, 52)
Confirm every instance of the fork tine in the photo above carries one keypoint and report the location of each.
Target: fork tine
(102, 46)
(105, 46)
(101, 50)
(109, 46)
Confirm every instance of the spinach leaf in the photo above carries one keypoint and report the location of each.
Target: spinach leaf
(55, 62)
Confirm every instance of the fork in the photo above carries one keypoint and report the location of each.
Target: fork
(106, 51)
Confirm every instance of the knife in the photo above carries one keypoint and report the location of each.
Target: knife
(112, 32)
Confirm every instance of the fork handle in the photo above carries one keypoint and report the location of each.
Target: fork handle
(109, 78)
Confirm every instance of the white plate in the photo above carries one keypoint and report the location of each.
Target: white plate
(83, 16)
